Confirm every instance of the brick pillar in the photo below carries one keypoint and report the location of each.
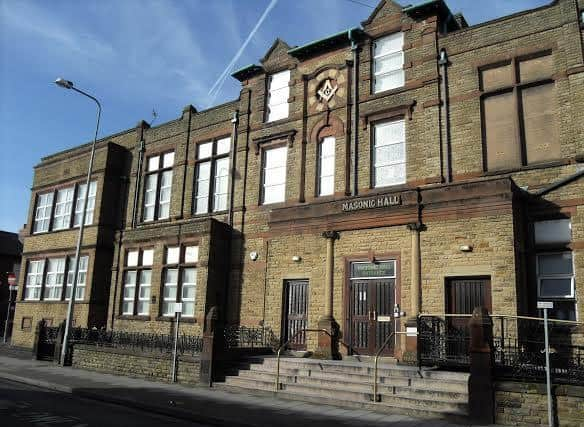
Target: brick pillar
(327, 346)
(481, 391)
(212, 346)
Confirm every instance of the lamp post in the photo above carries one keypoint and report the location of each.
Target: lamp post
(66, 84)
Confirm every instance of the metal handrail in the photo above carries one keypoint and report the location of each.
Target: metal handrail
(376, 360)
(511, 316)
(277, 385)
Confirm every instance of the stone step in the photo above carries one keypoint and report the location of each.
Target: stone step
(344, 379)
(456, 413)
(307, 367)
(435, 401)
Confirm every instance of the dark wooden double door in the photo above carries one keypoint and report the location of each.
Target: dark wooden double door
(371, 321)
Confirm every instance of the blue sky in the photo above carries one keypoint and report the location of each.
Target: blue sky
(140, 55)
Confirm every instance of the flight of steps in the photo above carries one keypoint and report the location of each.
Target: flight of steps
(401, 390)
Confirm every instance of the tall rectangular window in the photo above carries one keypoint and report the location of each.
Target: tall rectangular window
(389, 153)
(519, 112)
(180, 280)
(137, 282)
(34, 280)
(90, 204)
(555, 267)
(54, 279)
(326, 166)
(63, 206)
(212, 160)
(81, 278)
(42, 217)
(158, 186)
(278, 94)
(274, 175)
(388, 63)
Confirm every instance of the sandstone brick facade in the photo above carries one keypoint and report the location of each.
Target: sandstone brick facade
(473, 221)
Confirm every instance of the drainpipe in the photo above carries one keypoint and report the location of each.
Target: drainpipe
(445, 117)
(141, 150)
(232, 158)
(355, 126)
(189, 110)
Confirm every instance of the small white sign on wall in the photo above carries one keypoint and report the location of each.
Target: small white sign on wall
(178, 307)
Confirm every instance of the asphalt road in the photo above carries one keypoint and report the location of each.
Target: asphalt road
(22, 405)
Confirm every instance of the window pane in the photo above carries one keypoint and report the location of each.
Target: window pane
(150, 197)
(204, 150)
(132, 259)
(168, 160)
(223, 145)
(390, 154)
(63, 206)
(279, 80)
(389, 133)
(202, 187)
(390, 175)
(169, 291)
(153, 163)
(221, 184)
(276, 157)
(189, 276)
(172, 255)
(188, 309)
(503, 150)
(550, 288)
(191, 254)
(55, 278)
(327, 166)
(274, 194)
(43, 213)
(90, 204)
(554, 231)
(493, 78)
(389, 81)
(388, 44)
(536, 68)
(274, 175)
(147, 256)
(391, 62)
(277, 112)
(327, 185)
(555, 264)
(540, 123)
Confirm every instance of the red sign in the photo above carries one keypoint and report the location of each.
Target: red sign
(11, 279)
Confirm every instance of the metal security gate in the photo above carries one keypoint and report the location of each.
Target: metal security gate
(371, 305)
(295, 312)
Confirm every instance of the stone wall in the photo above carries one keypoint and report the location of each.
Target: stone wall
(525, 404)
(148, 365)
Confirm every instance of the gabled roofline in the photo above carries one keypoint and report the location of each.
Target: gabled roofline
(324, 43)
(247, 72)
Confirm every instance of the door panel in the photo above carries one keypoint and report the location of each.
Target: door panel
(384, 302)
(371, 300)
(296, 312)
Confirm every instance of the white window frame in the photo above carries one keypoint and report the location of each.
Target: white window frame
(138, 262)
(208, 196)
(179, 264)
(541, 277)
(377, 166)
(90, 204)
(43, 209)
(378, 57)
(156, 166)
(278, 83)
(266, 186)
(33, 291)
(321, 161)
(63, 208)
(54, 279)
(81, 277)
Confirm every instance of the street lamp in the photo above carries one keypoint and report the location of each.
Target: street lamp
(66, 84)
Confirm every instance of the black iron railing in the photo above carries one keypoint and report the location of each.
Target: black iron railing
(245, 337)
(187, 344)
(517, 344)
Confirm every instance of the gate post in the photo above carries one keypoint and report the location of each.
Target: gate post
(59, 343)
(481, 391)
(37, 337)
(212, 346)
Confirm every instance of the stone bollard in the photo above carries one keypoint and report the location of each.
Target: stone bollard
(59, 343)
(481, 391)
(37, 336)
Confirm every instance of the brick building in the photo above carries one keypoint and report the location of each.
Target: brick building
(413, 164)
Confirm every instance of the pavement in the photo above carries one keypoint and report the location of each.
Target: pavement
(202, 405)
